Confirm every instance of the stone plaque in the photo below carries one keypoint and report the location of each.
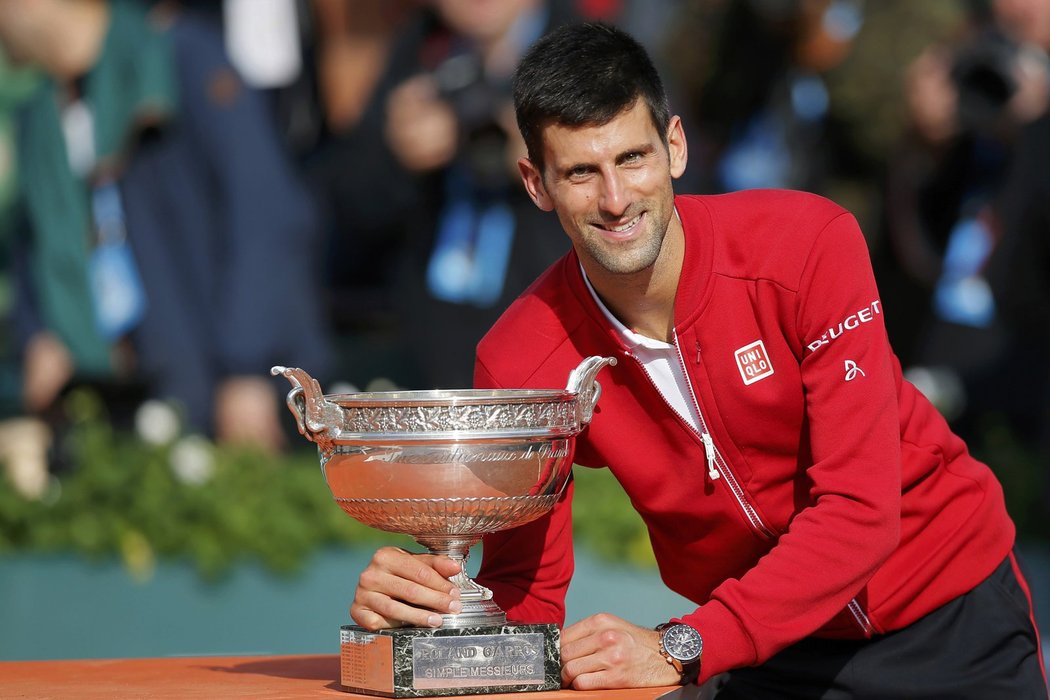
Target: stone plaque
(414, 662)
(477, 661)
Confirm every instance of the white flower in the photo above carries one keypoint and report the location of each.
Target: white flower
(342, 387)
(156, 422)
(192, 460)
(379, 384)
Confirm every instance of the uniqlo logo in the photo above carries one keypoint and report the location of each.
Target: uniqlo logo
(753, 362)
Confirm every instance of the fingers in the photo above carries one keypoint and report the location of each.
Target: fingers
(421, 129)
(581, 638)
(604, 651)
(591, 656)
(398, 588)
(585, 627)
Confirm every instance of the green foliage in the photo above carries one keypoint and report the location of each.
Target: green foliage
(1021, 473)
(605, 521)
(124, 498)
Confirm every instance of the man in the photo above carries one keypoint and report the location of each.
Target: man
(837, 537)
(428, 181)
(159, 214)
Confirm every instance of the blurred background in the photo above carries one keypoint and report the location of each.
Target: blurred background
(192, 192)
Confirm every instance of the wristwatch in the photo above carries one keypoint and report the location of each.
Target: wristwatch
(681, 646)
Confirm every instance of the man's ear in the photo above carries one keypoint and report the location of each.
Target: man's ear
(676, 147)
(533, 180)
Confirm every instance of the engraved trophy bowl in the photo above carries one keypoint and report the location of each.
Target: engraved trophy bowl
(447, 466)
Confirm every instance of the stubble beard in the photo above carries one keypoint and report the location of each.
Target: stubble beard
(641, 256)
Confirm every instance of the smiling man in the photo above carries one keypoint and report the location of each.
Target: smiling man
(838, 540)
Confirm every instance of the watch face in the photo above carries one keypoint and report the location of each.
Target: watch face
(683, 642)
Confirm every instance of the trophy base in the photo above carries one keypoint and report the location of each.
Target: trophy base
(413, 662)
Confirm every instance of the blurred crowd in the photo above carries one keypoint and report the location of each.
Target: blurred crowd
(192, 192)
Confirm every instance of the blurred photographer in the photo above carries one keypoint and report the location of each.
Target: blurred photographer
(472, 238)
(1018, 269)
(1000, 83)
(968, 100)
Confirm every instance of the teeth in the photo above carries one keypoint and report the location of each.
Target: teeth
(629, 224)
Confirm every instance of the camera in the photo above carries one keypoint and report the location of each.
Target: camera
(476, 102)
(984, 72)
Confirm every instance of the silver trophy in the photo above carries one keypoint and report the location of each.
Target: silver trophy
(446, 467)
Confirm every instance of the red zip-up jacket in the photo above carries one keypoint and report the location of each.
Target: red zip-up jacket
(823, 494)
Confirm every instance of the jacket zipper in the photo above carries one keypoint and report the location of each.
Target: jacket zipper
(709, 450)
(716, 465)
(860, 617)
(715, 462)
(853, 606)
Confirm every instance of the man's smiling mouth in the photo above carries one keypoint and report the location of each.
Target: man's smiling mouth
(622, 228)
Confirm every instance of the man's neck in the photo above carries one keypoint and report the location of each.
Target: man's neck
(644, 301)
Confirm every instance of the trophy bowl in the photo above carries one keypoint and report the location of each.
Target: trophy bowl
(447, 467)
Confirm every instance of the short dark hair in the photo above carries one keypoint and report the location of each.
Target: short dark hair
(584, 74)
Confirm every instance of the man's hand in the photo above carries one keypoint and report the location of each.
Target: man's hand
(421, 128)
(604, 651)
(399, 588)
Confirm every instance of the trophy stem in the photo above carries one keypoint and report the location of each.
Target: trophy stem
(478, 607)
(469, 589)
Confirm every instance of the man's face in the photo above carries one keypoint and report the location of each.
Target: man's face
(16, 29)
(482, 20)
(610, 186)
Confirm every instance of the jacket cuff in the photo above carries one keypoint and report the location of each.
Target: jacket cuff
(727, 645)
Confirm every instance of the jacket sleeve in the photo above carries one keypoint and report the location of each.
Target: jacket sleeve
(529, 567)
(268, 305)
(850, 522)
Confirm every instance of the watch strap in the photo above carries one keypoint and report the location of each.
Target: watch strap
(688, 672)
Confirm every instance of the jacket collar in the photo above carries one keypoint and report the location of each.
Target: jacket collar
(695, 284)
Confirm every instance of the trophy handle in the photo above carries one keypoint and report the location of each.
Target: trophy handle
(582, 383)
(317, 418)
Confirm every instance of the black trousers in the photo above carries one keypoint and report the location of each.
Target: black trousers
(983, 645)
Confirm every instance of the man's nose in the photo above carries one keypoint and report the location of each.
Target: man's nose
(613, 198)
